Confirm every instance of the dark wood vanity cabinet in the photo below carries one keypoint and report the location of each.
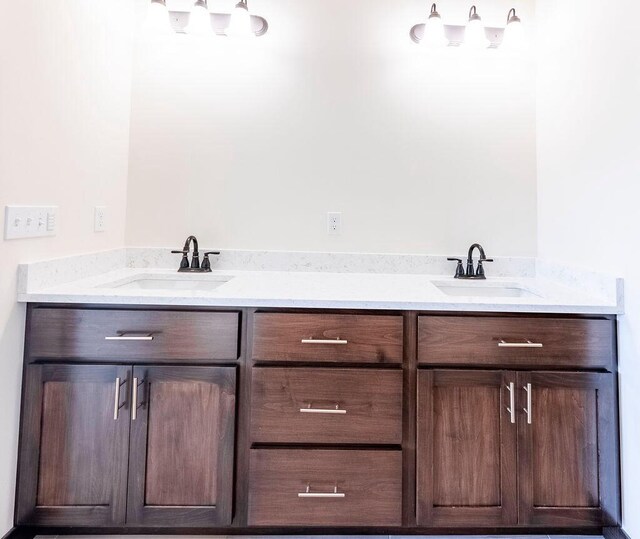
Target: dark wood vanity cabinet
(74, 446)
(109, 445)
(500, 448)
(182, 446)
(270, 420)
(466, 449)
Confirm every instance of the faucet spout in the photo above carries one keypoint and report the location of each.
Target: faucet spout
(195, 258)
(470, 271)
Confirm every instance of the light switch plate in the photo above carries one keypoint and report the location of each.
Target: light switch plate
(30, 221)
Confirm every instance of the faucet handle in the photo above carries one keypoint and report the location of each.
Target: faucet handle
(480, 271)
(206, 263)
(459, 267)
(184, 263)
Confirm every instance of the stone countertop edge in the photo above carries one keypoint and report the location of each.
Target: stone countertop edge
(319, 281)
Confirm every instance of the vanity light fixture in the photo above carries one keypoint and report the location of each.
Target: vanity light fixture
(200, 21)
(240, 24)
(434, 30)
(158, 18)
(513, 34)
(472, 36)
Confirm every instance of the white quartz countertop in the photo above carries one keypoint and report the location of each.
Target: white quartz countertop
(312, 289)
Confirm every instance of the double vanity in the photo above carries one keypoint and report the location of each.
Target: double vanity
(168, 402)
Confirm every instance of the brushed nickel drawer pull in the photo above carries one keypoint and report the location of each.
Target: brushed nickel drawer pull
(527, 344)
(311, 340)
(309, 410)
(512, 401)
(131, 336)
(308, 494)
(134, 400)
(527, 410)
(116, 404)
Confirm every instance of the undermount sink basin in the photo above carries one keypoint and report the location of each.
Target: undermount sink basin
(203, 283)
(484, 289)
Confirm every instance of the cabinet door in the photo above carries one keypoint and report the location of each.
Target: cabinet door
(567, 449)
(182, 446)
(466, 448)
(74, 447)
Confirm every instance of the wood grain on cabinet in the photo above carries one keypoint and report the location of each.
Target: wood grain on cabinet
(346, 338)
(371, 482)
(582, 343)
(182, 446)
(326, 406)
(466, 449)
(73, 454)
(85, 334)
(567, 455)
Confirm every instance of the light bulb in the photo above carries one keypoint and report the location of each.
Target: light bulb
(200, 19)
(514, 32)
(157, 22)
(474, 34)
(240, 24)
(434, 30)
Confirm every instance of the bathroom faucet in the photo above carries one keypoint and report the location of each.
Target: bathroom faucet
(194, 267)
(470, 272)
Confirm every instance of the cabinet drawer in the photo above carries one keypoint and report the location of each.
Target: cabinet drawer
(325, 488)
(326, 406)
(327, 337)
(135, 335)
(516, 342)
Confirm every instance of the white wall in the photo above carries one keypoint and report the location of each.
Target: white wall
(64, 125)
(589, 173)
(335, 109)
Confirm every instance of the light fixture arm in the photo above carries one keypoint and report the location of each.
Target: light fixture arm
(473, 14)
(512, 17)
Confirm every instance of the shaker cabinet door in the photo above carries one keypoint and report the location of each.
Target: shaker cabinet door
(466, 449)
(567, 438)
(182, 446)
(74, 447)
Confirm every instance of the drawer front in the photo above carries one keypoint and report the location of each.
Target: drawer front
(327, 337)
(136, 335)
(325, 488)
(326, 406)
(550, 343)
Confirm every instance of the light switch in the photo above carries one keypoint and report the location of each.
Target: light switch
(30, 221)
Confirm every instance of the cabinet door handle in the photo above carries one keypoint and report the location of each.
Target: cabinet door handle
(527, 410)
(311, 340)
(308, 494)
(116, 403)
(337, 410)
(527, 344)
(512, 401)
(134, 400)
(131, 336)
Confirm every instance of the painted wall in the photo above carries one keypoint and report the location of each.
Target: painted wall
(335, 109)
(589, 173)
(64, 126)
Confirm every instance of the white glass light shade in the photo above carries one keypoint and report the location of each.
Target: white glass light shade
(200, 19)
(240, 24)
(434, 32)
(513, 38)
(474, 34)
(157, 21)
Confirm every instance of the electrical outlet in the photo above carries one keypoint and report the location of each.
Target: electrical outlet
(334, 223)
(100, 219)
(30, 221)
